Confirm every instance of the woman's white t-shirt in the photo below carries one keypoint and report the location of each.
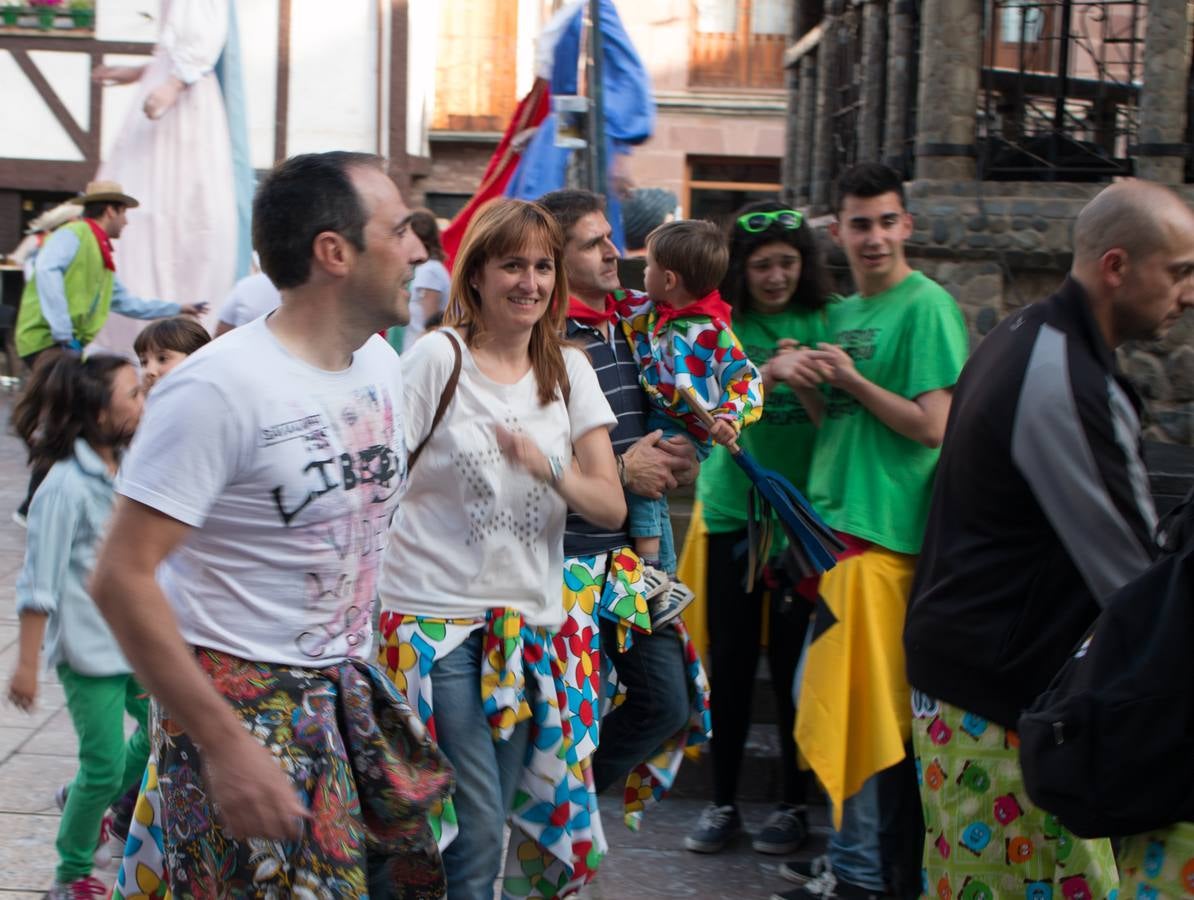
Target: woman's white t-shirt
(472, 531)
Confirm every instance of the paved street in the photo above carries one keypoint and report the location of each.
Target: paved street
(37, 753)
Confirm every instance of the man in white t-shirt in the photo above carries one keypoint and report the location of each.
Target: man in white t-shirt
(258, 492)
(251, 298)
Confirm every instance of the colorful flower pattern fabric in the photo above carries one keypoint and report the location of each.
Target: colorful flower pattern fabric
(698, 352)
(361, 761)
(1158, 865)
(556, 837)
(142, 873)
(984, 839)
(609, 586)
(556, 841)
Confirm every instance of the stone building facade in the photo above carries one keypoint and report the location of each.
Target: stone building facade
(915, 82)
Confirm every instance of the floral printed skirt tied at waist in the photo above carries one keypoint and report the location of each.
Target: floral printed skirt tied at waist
(361, 761)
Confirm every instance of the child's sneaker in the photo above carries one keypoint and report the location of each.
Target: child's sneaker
(122, 815)
(670, 605)
(85, 888)
(655, 582)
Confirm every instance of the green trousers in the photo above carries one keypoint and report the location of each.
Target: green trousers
(108, 765)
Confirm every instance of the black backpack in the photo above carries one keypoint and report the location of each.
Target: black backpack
(1109, 747)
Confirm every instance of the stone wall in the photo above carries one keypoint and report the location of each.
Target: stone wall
(997, 247)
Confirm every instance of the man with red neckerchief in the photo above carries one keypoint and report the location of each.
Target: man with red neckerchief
(75, 287)
(653, 668)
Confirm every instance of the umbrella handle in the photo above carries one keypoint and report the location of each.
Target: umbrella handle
(701, 413)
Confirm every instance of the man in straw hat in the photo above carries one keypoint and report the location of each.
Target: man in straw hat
(74, 285)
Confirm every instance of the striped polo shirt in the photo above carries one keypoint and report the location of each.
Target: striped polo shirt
(617, 373)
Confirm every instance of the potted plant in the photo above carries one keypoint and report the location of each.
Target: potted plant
(10, 12)
(46, 10)
(82, 13)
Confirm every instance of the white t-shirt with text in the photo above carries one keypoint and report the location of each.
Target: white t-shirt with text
(288, 476)
(472, 531)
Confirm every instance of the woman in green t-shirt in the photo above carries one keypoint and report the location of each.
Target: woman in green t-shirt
(775, 284)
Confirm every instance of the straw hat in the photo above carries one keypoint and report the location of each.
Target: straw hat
(110, 191)
(52, 218)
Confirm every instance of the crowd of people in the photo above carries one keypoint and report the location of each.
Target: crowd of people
(390, 607)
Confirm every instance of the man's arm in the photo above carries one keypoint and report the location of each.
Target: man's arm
(50, 267)
(1075, 441)
(252, 793)
(135, 307)
(921, 419)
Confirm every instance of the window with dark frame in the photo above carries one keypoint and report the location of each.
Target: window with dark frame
(716, 186)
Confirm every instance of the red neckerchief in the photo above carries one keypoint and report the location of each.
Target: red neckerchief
(586, 315)
(105, 243)
(710, 305)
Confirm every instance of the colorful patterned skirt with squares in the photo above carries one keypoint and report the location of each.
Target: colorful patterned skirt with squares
(984, 840)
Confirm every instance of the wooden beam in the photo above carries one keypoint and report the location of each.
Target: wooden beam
(75, 45)
(282, 87)
(46, 175)
(396, 145)
(806, 44)
(81, 138)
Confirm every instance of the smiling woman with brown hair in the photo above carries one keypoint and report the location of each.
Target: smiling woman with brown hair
(507, 429)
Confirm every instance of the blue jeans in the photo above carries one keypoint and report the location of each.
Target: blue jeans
(855, 853)
(882, 830)
(487, 773)
(649, 518)
(656, 704)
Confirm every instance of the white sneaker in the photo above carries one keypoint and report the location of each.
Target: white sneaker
(670, 605)
(655, 582)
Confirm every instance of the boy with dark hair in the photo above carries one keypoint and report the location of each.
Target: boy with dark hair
(681, 336)
(896, 349)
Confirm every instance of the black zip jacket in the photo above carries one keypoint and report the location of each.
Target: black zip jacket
(1041, 509)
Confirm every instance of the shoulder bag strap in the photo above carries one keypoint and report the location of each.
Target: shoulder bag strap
(444, 400)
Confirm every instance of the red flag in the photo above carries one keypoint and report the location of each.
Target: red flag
(531, 110)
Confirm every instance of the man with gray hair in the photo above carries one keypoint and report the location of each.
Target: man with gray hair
(1040, 511)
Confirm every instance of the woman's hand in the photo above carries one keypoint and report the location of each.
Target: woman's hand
(798, 369)
(164, 96)
(523, 453)
(22, 687)
(109, 75)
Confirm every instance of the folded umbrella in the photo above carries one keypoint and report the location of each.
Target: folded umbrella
(813, 544)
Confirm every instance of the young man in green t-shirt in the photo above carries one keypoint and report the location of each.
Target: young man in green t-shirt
(884, 380)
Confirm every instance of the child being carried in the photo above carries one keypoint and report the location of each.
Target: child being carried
(680, 332)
